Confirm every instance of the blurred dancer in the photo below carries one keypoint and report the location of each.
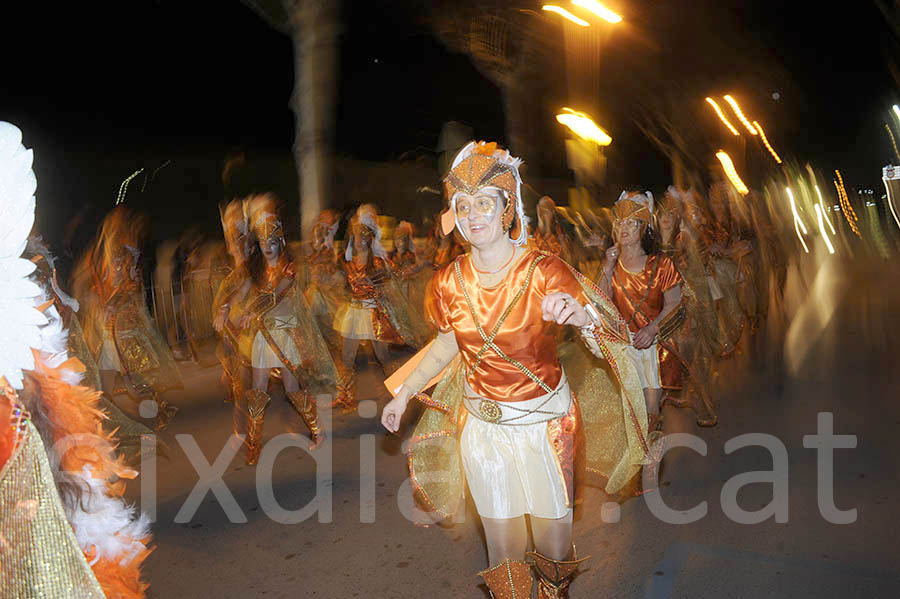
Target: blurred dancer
(234, 350)
(502, 419)
(645, 287)
(692, 348)
(375, 310)
(326, 282)
(549, 235)
(127, 432)
(116, 323)
(285, 335)
(406, 264)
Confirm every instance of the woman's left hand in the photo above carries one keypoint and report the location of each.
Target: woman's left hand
(562, 308)
(644, 338)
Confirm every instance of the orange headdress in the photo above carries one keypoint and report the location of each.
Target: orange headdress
(671, 201)
(479, 165)
(404, 229)
(262, 211)
(633, 205)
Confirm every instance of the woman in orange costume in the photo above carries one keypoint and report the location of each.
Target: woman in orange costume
(326, 283)
(549, 235)
(376, 310)
(505, 409)
(696, 340)
(117, 325)
(645, 286)
(234, 349)
(283, 330)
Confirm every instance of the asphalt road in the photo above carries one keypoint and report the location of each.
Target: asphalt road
(360, 543)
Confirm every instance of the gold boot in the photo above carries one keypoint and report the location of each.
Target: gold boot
(554, 576)
(510, 579)
(305, 404)
(346, 391)
(164, 414)
(257, 400)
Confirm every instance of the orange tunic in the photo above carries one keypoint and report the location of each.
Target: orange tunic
(523, 336)
(630, 290)
(358, 277)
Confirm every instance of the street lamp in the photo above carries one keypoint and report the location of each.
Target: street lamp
(565, 14)
(582, 126)
(599, 10)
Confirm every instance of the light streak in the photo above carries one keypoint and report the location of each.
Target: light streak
(722, 116)
(896, 110)
(846, 206)
(762, 135)
(599, 10)
(798, 223)
(893, 141)
(822, 204)
(740, 115)
(565, 14)
(731, 173)
(582, 125)
(822, 229)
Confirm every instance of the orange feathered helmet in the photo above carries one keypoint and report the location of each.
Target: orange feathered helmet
(482, 165)
(262, 212)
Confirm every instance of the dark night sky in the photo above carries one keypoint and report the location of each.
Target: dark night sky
(101, 88)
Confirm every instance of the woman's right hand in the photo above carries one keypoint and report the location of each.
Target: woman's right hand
(612, 256)
(393, 411)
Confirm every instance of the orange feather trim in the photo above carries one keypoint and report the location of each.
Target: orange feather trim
(80, 439)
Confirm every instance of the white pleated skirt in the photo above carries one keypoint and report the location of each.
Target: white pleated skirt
(513, 470)
(264, 356)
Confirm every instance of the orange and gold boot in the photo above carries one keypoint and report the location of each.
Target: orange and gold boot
(257, 400)
(346, 389)
(164, 414)
(554, 576)
(510, 579)
(305, 404)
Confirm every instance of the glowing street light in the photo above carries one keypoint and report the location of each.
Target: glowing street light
(722, 116)
(582, 125)
(565, 14)
(599, 10)
(762, 135)
(896, 110)
(740, 115)
(731, 173)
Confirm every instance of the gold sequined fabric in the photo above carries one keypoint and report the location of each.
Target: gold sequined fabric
(39, 555)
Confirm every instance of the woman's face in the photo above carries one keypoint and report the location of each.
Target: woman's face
(479, 217)
(270, 248)
(667, 220)
(400, 244)
(629, 231)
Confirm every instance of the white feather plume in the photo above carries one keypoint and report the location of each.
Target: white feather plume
(107, 525)
(21, 321)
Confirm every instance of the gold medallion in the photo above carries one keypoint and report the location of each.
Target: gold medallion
(490, 411)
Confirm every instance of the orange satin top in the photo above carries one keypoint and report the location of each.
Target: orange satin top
(524, 336)
(357, 275)
(629, 288)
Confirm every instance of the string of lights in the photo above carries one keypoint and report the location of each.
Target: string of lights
(762, 135)
(740, 114)
(721, 114)
(731, 172)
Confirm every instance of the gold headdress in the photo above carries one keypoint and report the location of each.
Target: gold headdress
(262, 211)
(479, 165)
(672, 200)
(633, 205)
(365, 223)
(404, 229)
